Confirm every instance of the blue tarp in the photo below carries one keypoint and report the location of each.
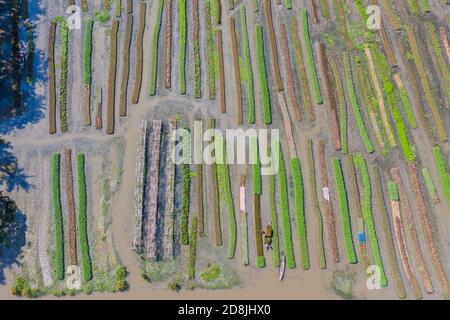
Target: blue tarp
(362, 237)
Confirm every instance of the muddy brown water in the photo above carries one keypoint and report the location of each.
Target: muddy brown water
(255, 283)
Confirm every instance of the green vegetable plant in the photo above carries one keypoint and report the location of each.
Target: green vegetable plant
(192, 248)
(355, 105)
(285, 217)
(154, 62)
(58, 219)
(300, 211)
(344, 211)
(247, 66)
(64, 58)
(443, 174)
(430, 185)
(393, 192)
(360, 162)
(87, 51)
(82, 219)
(182, 52)
(226, 196)
(310, 56)
(267, 115)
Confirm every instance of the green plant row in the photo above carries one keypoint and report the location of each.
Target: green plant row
(257, 190)
(361, 7)
(324, 9)
(182, 56)
(102, 16)
(51, 78)
(121, 275)
(430, 185)
(299, 197)
(376, 102)
(413, 7)
(285, 217)
(367, 98)
(139, 53)
(200, 198)
(389, 91)
(216, 10)
(443, 174)
(310, 56)
(301, 68)
(402, 134)
(273, 221)
(211, 274)
(344, 211)
(192, 248)
(341, 9)
(355, 105)
(210, 52)
(439, 126)
(288, 4)
(214, 191)
(267, 115)
(87, 51)
(342, 106)
(58, 219)
(197, 61)
(405, 146)
(185, 202)
(407, 107)
(21, 288)
(260, 262)
(247, 74)
(82, 219)
(118, 8)
(216, 54)
(393, 192)
(385, 225)
(368, 216)
(425, 5)
(392, 15)
(256, 167)
(64, 59)
(317, 211)
(255, 5)
(442, 66)
(186, 188)
(123, 98)
(226, 196)
(224, 181)
(154, 63)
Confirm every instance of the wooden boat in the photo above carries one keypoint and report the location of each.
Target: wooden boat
(282, 267)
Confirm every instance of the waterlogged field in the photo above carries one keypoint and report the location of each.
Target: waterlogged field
(118, 174)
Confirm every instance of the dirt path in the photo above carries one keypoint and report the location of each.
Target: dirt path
(43, 234)
(122, 213)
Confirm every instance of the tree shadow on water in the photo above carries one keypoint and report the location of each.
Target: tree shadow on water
(12, 246)
(18, 108)
(12, 220)
(11, 175)
(23, 81)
